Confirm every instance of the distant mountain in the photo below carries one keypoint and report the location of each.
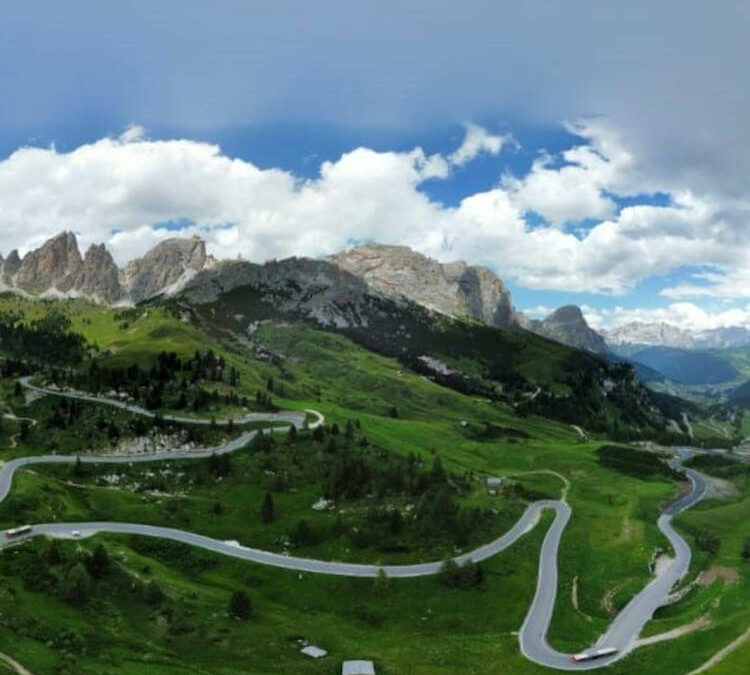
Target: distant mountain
(638, 333)
(666, 335)
(686, 366)
(56, 269)
(568, 326)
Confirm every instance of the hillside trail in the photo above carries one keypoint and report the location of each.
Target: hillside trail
(14, 664)
(14, 438)
(722, 654)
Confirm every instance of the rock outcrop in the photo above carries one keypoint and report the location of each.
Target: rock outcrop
(568, 326)
(98, 277)
(166, 268)
(52, 266)
(455, 288)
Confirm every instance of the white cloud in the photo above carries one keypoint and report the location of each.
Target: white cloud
(479, 141)
(575, 186)
(123, 190)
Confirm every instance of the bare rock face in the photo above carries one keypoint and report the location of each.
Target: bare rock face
(455, 289)
(568, 326)
(10, 268)
(166, 268)
(51, 267)
(98, 277)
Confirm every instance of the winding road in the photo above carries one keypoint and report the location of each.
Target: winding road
(621, 634)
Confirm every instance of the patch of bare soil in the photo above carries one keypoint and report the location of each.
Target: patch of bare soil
(720, 489)
(718, 572)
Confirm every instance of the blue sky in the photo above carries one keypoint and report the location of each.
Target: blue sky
(612, 175)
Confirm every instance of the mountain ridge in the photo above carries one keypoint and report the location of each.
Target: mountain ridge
(57, 269)
(456, 289)
(664, 334)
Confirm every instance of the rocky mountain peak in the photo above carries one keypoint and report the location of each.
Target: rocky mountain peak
(166, 268)
(50, 267)
(98, 277)
(455, 288)
(568, 325)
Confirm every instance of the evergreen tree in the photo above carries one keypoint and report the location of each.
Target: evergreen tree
(267, 509)
(154, 594)
(437, 473)
(349, 432)
(240, 606)
(98, 562)
(381, 584)
(77, 584)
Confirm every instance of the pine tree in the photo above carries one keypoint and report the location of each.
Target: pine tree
(77, 583)
(381, 584)
(240, 606)
(98, 563)
(267, 509)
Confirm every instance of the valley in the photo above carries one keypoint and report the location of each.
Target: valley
(397, 431)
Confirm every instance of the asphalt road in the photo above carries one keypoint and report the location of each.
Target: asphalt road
(621, 634)
(291, 416)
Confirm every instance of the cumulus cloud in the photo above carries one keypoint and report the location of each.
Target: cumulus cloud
(130, 191)
(478, 141)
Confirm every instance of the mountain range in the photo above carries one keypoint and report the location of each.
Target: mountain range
(57, 269)
(456, 289)
(663, 334)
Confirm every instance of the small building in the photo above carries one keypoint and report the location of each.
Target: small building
(314, 652)
(357, 668)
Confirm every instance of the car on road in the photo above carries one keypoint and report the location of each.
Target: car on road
(76, 534)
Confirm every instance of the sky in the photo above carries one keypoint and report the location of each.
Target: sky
(588, 152)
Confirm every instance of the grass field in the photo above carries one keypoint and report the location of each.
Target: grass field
(419, 626)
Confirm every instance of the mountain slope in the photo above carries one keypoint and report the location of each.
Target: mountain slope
(686, 366)
(517, 367)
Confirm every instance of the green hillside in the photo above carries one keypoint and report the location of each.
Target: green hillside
(162, 608)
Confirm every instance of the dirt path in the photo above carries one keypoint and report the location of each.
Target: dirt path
(688, 426)
(723, 653)
(580, 431)
(14, 664)
(14, 437)
(697, 624)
